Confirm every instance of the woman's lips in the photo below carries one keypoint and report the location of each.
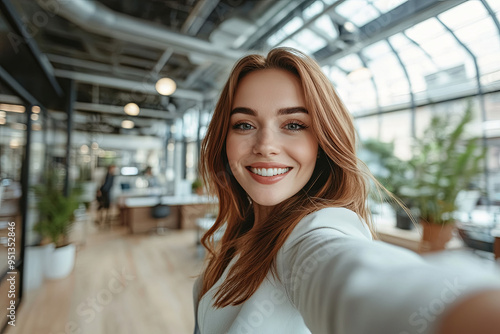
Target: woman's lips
(269, 179)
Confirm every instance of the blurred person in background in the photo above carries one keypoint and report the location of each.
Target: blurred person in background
(152, 180)
(104, 196)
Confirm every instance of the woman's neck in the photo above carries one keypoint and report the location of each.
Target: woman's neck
(261, 213)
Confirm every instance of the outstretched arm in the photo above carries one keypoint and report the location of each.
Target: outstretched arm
(345, 284)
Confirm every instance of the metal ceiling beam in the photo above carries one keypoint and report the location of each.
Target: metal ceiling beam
(18, 26)
(130, 85)
(162, 62)
(117, 110)
(11, 99)
(270, 19)
(313, 19)
(198, 16)
(94, 17)
(399, 19)
(17, 87)
(95, 66)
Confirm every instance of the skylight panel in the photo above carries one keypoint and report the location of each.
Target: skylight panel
(275, 38)
(285, 31)
(412, 54)
(464, 14)
(349, 63)
(376, 50)
(309, 40)
(495, 5)
(399, 41)
(293, 44)
(426, 30)
(325, 24)
(349, 8)
(314, 9)
(445, 51)
(484, 29)
(364, 15)
(293, 25)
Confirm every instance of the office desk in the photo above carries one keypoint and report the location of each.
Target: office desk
(135, 212)
(496, 246)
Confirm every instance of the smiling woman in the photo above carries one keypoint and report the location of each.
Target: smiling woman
(297, 254)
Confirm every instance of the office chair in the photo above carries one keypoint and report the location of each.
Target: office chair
(160, 212)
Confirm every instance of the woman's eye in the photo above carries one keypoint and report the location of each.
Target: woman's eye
(242, 126)
(295, 126)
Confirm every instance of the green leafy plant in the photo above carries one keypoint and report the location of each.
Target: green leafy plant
(445, 161)
(56, 211)
(392, 172)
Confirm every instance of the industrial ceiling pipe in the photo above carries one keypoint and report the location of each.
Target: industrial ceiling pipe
(97, 18)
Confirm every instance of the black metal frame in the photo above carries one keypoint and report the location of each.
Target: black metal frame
(29, 100)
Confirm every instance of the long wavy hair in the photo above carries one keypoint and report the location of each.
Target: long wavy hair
(338, 180)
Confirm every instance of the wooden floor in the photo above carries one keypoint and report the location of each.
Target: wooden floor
(121, 284)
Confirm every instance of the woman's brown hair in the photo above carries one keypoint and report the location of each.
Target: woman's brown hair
(339, 180)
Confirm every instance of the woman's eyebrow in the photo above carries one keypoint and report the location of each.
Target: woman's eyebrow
(282, 111)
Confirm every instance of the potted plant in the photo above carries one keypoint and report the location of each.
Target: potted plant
(56, 216)
(445, 161)
(393, 173)
(197, 186)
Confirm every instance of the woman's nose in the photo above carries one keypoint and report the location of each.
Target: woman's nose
(266, 143)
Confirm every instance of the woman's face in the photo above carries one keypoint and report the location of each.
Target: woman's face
(270, 145)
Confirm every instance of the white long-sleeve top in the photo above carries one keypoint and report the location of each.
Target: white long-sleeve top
(336, 280)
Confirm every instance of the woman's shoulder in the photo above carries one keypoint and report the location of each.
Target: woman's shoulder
(330, 221)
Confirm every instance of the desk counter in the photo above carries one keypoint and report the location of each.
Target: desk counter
(184, 210)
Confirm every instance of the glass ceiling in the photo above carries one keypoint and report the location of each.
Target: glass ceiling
(431, 59)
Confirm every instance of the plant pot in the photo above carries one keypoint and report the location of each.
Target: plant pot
(89, 189)
(61, 262)
(403, 221)
(435, 236)
(36, 261)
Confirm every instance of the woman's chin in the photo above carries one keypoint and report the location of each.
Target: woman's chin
(266, 200)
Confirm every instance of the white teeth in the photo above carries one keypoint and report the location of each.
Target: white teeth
(269, 171)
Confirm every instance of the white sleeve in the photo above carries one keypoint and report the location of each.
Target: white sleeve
(348, 284)
(196, 292)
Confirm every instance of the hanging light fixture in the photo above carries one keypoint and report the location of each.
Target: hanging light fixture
(131, 109)
(84, 149)
(166, 86)
(127, 124)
